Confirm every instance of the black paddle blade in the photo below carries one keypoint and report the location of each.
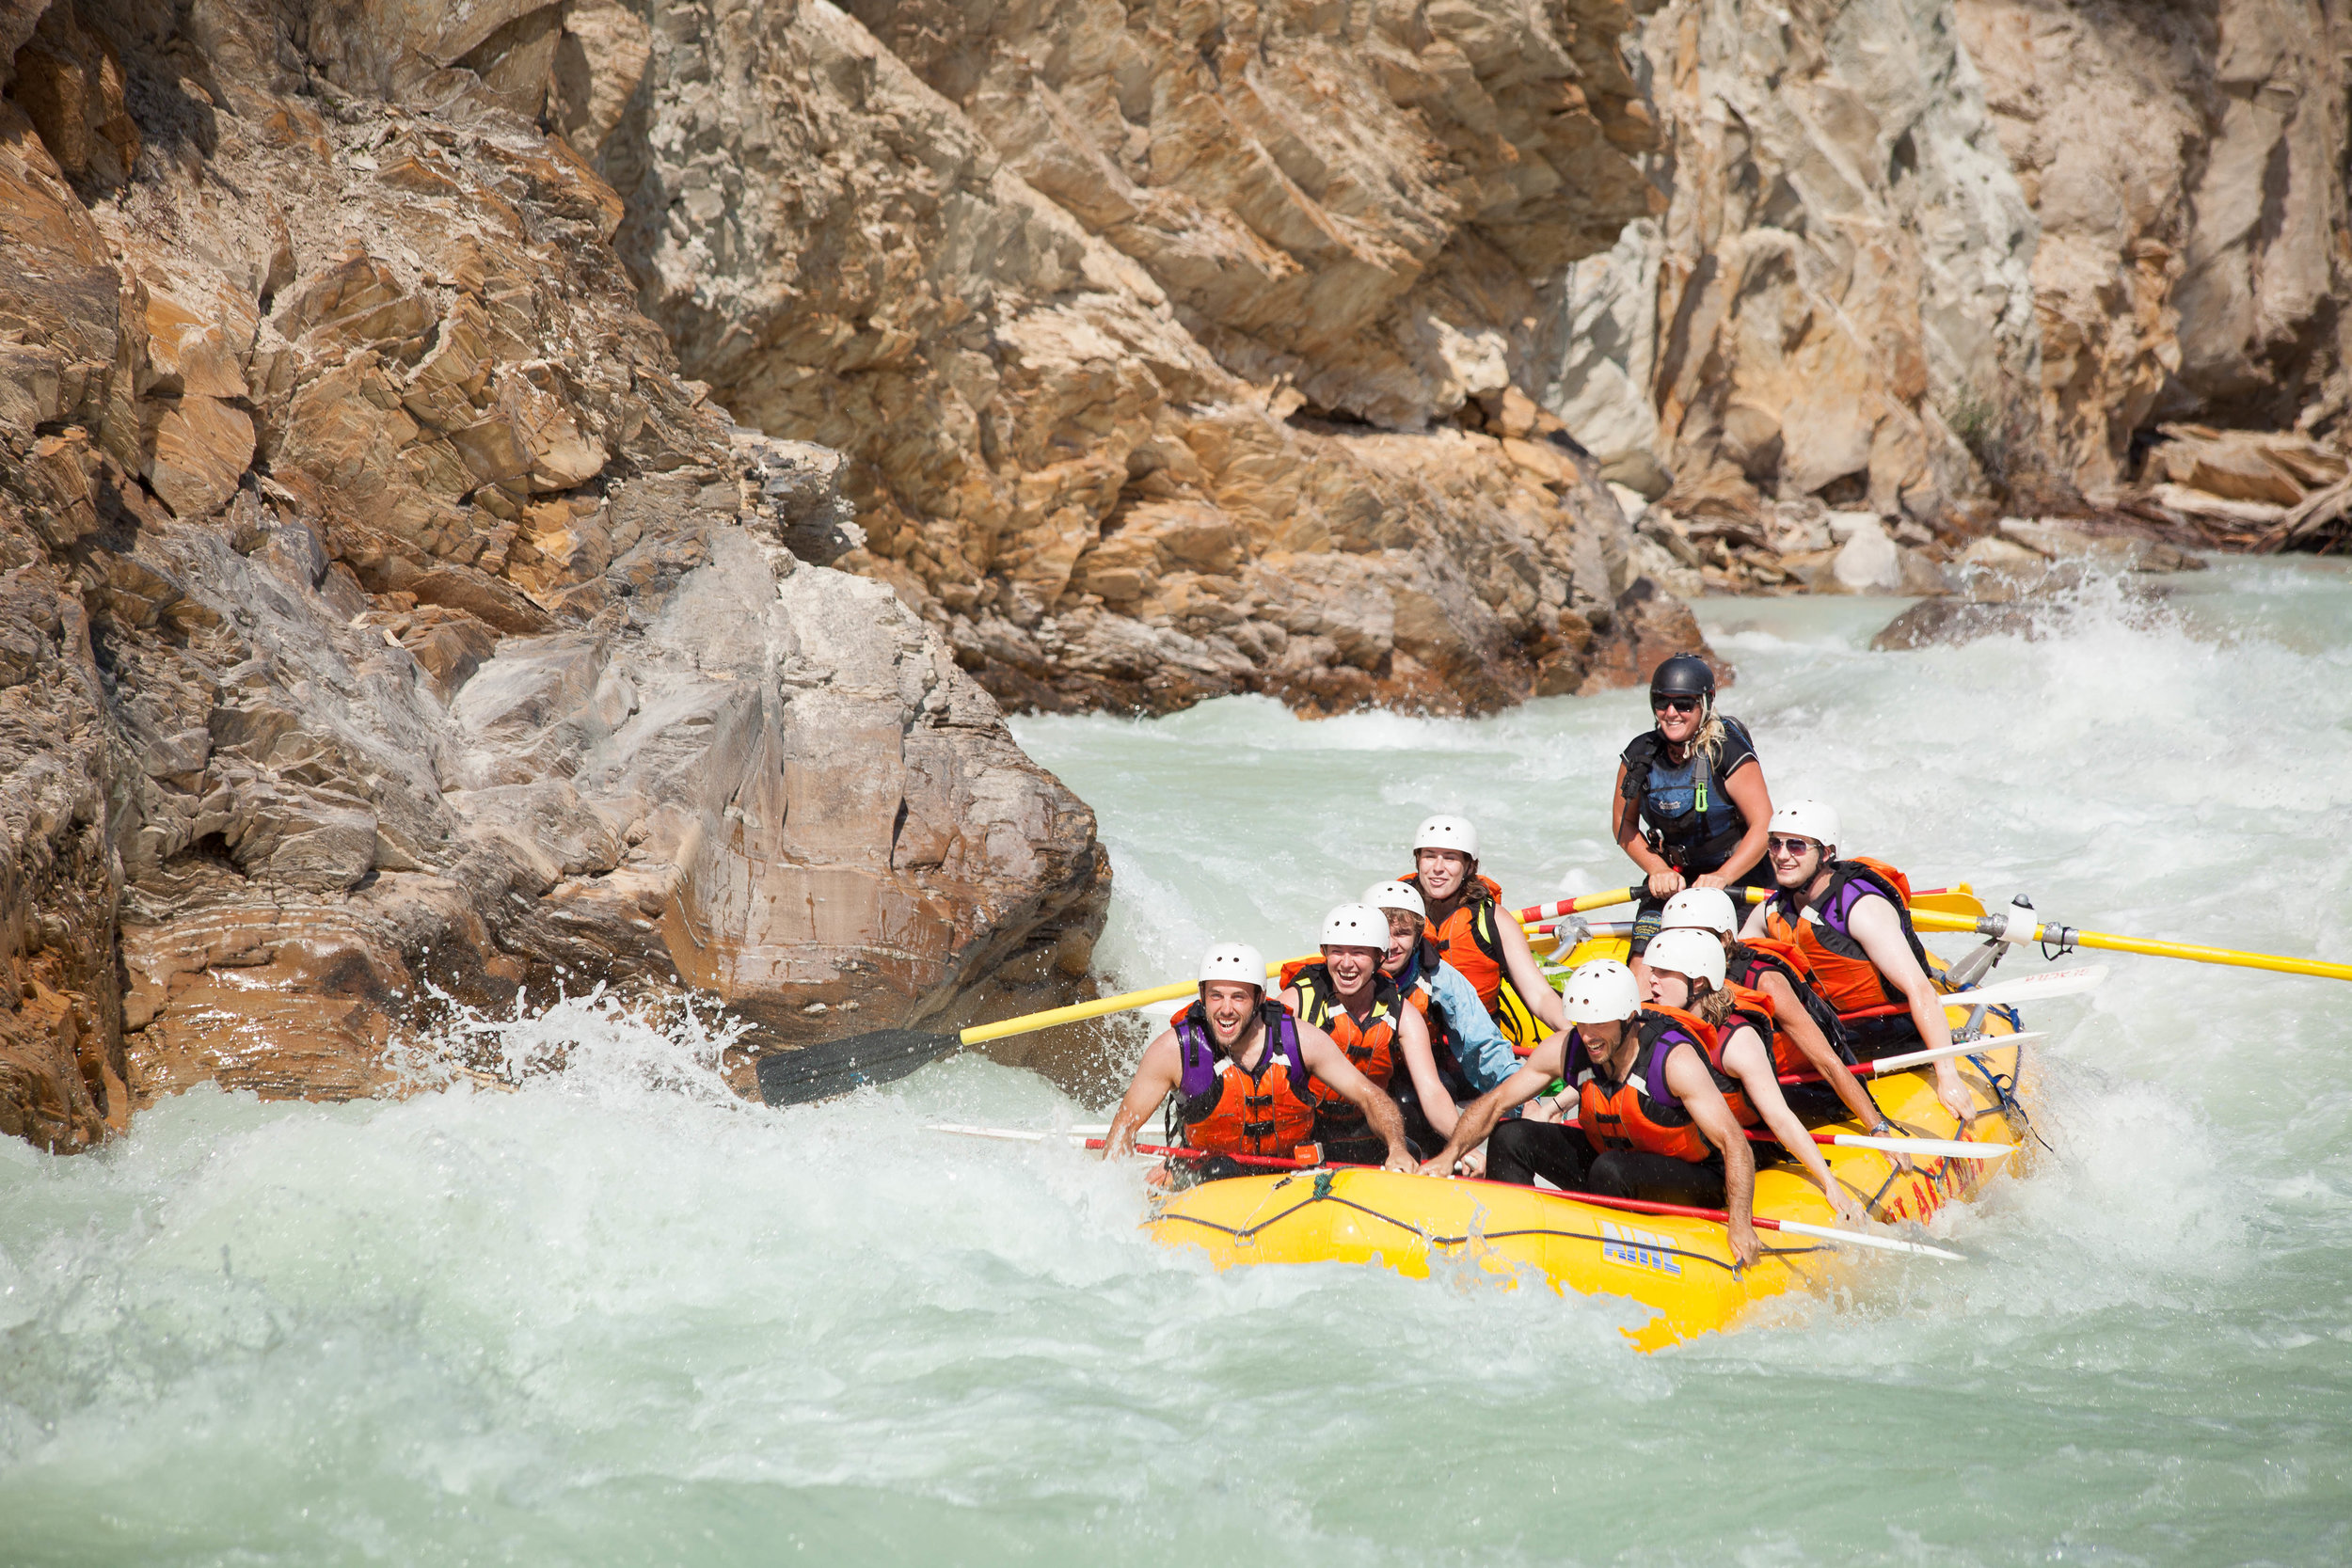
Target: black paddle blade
(830, 1067)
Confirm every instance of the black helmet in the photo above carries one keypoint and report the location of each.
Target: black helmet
(1685, 674)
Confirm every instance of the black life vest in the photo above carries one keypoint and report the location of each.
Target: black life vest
(1693, 837)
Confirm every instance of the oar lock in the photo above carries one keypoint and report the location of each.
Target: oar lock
(2021, 926)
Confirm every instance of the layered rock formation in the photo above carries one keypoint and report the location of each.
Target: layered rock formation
(1921, 253)
(386, 624)
(1845, 251)
(1177, 350)
(2185, 162)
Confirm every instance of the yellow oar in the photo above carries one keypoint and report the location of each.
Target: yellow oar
(2020, 926)
(830, 1067)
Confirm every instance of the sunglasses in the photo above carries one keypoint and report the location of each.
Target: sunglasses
(1675, 704)
(1787, 845)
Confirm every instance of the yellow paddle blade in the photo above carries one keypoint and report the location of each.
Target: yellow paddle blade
(1958, 900)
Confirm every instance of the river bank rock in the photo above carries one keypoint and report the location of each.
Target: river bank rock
(1944, 259)
(2029, 575)
(1845, 245)
(390, 626)
(1175, 352)
(2194, 268)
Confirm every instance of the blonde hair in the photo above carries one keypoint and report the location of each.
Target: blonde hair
(1713, 1007)
(1710, 736)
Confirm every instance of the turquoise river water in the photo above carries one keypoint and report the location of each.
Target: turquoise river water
(620, 1317)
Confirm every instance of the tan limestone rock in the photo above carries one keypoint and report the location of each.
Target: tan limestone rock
(455, 642)
(201, 446)
(2185, 164)
(1107, 300)
(1844, 257)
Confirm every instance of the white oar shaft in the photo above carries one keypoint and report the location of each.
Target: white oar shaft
(1958, 1048)
(2029, 988)
(1007, 1134)
(1855, 1238)
(1933, 1148)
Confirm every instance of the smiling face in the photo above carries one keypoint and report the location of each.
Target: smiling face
(1602, 1039)
(1230, 1005)
(1404, 933)
(1795, 860)
(1352, 968)
(1678, 715)
(1442, 872)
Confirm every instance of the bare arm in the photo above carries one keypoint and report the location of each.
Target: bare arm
(1688, 1077)
(1788, 1012)
(1478, 1118)
(1421, 1066)
(1625, 821)
(1327, 1061)
(1753, 924)
(1156, 1077)
(1747, 791)
(1519, 961)
(1747, 1058)
(1878, 929)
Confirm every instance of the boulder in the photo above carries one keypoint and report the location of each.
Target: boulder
(1868, 562)
(457, 650)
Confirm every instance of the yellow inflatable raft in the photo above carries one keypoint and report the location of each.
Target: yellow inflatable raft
(1681, 1267)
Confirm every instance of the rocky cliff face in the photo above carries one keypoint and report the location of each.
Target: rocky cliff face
(1923, 252)
(386, 623)
(2186, 163)
(1176, 350)
(387, 620)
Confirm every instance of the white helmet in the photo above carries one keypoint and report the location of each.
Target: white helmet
(1395, 895)
(1807, 819)
(1702, 908)
(1447, 832)
(1355, 925)
(1694, 954)
(1235, 960)
(1601, 992)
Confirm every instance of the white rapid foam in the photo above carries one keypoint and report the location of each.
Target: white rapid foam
(616, 1315)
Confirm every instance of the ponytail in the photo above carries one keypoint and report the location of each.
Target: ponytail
(1715, 1006)
(1710, 737)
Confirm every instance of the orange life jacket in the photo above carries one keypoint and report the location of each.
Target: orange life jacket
(1225, 1107)
(1639, 1111)
(1755, 1009)
(1829, 958)
(1370, 1045)
(1470, 940)
(1751, 961)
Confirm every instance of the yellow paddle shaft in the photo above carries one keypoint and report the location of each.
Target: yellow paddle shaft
(1102, 1007)
(1929, 921)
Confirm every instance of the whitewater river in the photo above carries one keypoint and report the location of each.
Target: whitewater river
(621, 1318)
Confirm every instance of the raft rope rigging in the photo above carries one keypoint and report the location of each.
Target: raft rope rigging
(1323, 1194)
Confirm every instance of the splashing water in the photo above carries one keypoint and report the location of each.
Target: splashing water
(618, 1315)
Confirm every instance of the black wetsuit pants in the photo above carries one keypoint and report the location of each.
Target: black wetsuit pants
(1520, 1151)
(1888, 1034)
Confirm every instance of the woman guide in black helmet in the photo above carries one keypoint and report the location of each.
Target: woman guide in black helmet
(1692, 806)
